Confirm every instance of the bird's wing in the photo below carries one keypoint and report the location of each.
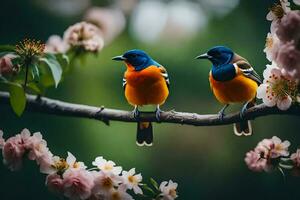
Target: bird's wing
(164, 73)
(248, 70)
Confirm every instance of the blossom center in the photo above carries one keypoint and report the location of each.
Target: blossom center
(132, 179)
(61, 165)
(278, 147)
(116, 196)
(281, 87)
(107, 183)
(277, 10)
(108, 167)
(76, 165)
(269, 42)
(172, 193)
(29, 48)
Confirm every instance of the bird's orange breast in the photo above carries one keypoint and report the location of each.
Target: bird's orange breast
(238, 90)
(145, 87)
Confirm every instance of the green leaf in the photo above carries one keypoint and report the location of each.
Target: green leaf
(7, 48)
(63, 58)
(154, 183)
(34, 88)
(17, 98)
(64, 61)
(35, 71)
(54, 66)
(146, 187)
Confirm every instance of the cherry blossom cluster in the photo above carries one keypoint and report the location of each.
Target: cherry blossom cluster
(281, 78)
(82, 36)
(73, 180)
(100, 25)
(271, 154)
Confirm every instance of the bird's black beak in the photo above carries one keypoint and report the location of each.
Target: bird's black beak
(119, 58)
(203, 56)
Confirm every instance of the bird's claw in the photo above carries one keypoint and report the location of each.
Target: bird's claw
(136, 113)
(157, 113)
(243, 111)
(222, 112)
(221, 115)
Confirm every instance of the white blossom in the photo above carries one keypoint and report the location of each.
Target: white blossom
(132, 181)
(107, 166)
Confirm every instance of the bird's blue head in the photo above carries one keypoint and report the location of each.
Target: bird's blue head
(136, 58)
(218, 55)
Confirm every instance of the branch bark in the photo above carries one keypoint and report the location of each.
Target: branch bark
(60, 108)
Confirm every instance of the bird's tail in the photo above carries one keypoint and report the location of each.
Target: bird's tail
(244, 127)
(144, 135)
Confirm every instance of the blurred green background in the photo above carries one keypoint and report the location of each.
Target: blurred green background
(207, 162)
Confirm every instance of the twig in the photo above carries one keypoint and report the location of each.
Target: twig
(55, 107)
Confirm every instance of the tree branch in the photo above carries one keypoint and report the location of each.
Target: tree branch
(55, 107)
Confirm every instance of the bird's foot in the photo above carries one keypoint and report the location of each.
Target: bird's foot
(157, 113)
(243, 111)
(222, 112)
(221, 115)
(136, 112)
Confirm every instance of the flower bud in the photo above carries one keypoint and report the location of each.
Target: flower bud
(6, 65)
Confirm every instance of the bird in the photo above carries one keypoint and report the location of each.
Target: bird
(232, 80)
(145, 82)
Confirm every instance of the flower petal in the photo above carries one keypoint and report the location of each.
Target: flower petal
(285, 103)
(261, 91)
(71, 159)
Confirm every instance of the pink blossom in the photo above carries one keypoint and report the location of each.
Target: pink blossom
(288, 58)
(84, 35)
(279, 148)
(46, 162)
(255, 162)
(37, 146)
(118, 194)
(73, 164)
(263, 148)
(55, 44)
(25, 135)
(54, 183)
(279, 10)
(273, 148)
(272, 46)
(295, 157)
(266, 150)
(78, 184)
(13, 152)
(38, 151)
(6, 65)
(110, 21)
(104, 182)
(168, 190)
(289, 27)
(276, 89)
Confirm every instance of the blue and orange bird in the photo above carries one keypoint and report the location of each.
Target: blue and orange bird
(232, 80)
(145, 82)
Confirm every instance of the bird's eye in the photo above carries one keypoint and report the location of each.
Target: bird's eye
(133, 55)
